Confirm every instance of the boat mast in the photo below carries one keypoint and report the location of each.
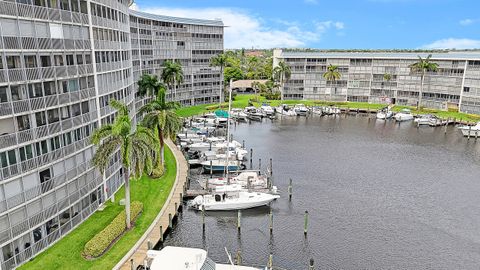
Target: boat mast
(228, 128)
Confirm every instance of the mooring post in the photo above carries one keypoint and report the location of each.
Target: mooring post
(270, 261)
(271, 221)
(271, 167)
(176, 208)
(239, 257)
(132, 264)
(305, 227)
(446, 125)
(290, 190)
(210, 146)
(231, 137)
(476, 134)
(251, 158)
(203, 218)
(239, 220)
(170, 220)
(149, 244)
(469, 131)
(211, 169)
(243, 144)
(312, 264)
(161, 233)
(259, 163)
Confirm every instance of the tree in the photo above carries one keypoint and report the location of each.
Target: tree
(256, 85)
(387, 77)
(219, 60)
(160, 116)
(422, 66)
(282, 73)
(232, 73)
(148, 85)
(253, 64)
(172, 74)
(332, 75)
(135, 146)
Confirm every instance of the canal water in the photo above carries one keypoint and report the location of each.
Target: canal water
(380, 195)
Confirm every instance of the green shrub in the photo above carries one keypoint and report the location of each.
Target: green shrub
(102, 241)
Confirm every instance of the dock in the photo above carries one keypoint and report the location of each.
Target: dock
(137, 255)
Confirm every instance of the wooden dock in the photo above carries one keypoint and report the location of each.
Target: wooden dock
(137, 255)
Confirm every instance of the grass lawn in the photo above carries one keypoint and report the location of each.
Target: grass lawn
(66, 254)
(241, 101)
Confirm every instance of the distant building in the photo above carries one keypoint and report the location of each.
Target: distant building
(456, 83)
(242, 86)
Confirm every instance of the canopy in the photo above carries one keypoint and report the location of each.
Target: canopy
(221, 113)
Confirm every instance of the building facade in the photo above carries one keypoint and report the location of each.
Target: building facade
(456, 83)
(61, 62)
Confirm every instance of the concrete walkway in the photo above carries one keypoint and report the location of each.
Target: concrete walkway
(139, 251)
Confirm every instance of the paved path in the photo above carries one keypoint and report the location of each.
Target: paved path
(139, 250)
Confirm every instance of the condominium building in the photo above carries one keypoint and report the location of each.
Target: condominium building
(61, 62)
(456, 83)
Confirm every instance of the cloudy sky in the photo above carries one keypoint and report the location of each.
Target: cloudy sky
(342, 24)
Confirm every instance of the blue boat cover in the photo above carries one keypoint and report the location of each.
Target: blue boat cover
(221, 113)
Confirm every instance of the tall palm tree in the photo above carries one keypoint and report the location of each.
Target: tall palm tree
(256, 86)
(220, 61)
(282, 73)
(135, 148)
(148, 85)
(422, 66)
(387, 77)
(160, 115)
(172, 75)
(332, 75)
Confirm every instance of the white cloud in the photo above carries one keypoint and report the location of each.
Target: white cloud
(326, 25)
(466, 22)
(453, 43)
(244, 30)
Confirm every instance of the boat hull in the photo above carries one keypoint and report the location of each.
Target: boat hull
(221, 168)
(230, 206)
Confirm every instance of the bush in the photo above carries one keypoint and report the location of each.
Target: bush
(102, 241)
(157, 172)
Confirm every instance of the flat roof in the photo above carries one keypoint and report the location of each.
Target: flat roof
(164, 18)
(453, 55)
(178, 258)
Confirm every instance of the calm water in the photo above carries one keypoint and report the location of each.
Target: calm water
(380, 196)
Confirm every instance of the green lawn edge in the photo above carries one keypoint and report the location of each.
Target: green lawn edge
(241, 101)
(66, 253)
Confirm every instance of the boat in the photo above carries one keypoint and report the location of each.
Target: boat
(204, 146)
(317, 110)
(284, 109)
(238, 115)
(329, 110)
(404, 115)
(384, 113)
(300, 109)
(470, 131)
(182, 258)
(430, 120)
(220, 165)
(267, 110)
(232, 197)
(254, 114)
(246, 179)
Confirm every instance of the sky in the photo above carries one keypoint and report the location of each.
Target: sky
(335, 24)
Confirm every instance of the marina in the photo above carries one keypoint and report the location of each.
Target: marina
(349, 218)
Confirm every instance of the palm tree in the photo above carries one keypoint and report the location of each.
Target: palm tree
(256, 86)
(171, 75)
(160, 116)
(219, 60)
(135, 148)
(148, 85)
(422, 66)
(332, 75)
(282, 73)
(387, 77)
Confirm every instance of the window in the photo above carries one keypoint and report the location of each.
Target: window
(23, 122)
(67, 138)
(40, 119)
(55, 143)
(12, 158)
(18, 92)
(53, 116)
(25, 152)
(13, 62)
(45, 60)
(466, 89)
(35, 90)
(49, 88)
(30, 61)
(3, 94)
(58, 60)
(79, 59)
(1, 62)
(85, 107)
(70, 61)
(76, 109)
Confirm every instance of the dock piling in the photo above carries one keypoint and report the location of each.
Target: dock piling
(305, 226)
(149, 244)
(203, 218)
(271, 167)
(251, 158)
(211, 170)
(239, 220)
(239, 257)
(176, 208)
(243, 144)
(271, 221)
(270, 261)
(259, 164)
(132, 264)
(170, 221)
(469, 132)
(161, 233)
(312, 264)
(290, 190)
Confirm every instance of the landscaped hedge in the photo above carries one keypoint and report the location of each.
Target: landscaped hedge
(102, 241)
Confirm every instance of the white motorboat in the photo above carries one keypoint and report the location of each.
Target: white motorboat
(404, 115)
(472, 131)
(329, 110)
(267, 110)
(385, 113)
(238, 115)
(232, 197)
(182, 258)
(284, 109)
(430, 120)
(209, 146)
(246, 179)
(300, 109)
(219, 165)
(253, 113)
